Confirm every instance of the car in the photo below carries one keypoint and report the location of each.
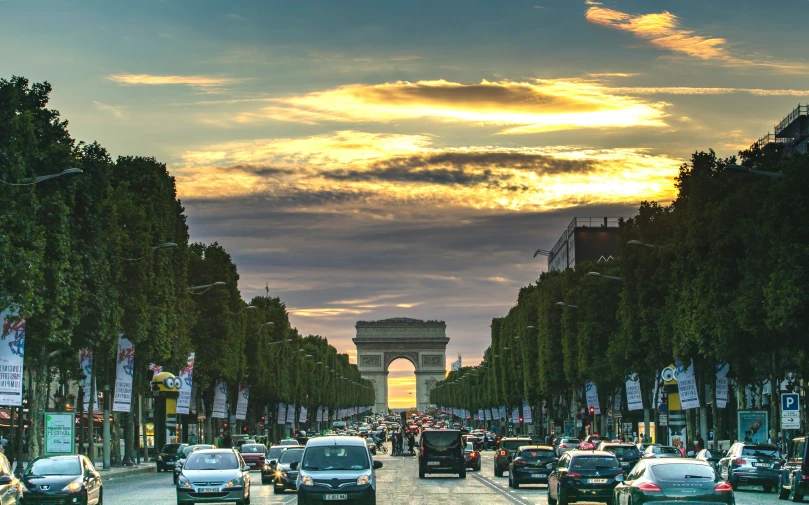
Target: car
(473, 439)
(794, 478)
(505, 452)
(270, 461)
(441, 451)
(627, 454)
(531, 465)
(254, 455)
(61, 479)
(591, 442)
(336, 469)
(747, 463)
(471, 455)
(214, 476)
(371, 445)
(289, 442)
(712, 457)
(584, 476)
(168, 456)
(285, 478)
(566, 444)
(661, 451)
(183, 457)
(675, 480)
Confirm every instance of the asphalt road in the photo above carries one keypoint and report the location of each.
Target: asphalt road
(398, 484)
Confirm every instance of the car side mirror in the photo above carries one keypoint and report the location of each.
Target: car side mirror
(245, 468)
(377, 465)
(5, 479)
(293, 465)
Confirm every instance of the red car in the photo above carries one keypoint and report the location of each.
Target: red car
(253, 455)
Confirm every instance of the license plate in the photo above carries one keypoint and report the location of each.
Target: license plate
(335, 497)
(538, 475)
(209, 490)
(596, 481)
(433, 463)
(762, 465)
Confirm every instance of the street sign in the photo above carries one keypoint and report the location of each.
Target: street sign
(790, 411)
(663, 408)
(579, 416)
(664, 420)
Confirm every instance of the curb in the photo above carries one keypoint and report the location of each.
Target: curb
(120, 474)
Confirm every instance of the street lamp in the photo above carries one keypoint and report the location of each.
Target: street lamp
(264, 326)
(563, 304)
(198, 290)
(740, 168)
(249, 307)
(165, 245)
(596, 274)
(43, 178)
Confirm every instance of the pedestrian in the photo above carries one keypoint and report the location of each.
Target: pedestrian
(700, 443)
(634, 437)
(681, 448)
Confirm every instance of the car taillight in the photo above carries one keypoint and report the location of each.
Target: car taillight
(519, 462)
(723, 487)
(649, 487)
(805, 476)
(571, 475)
(739, 461)
(502, 453)
(563, 446)
(474, 455)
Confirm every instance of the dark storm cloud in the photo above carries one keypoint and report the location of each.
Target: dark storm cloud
(442, 176)
(263, 170)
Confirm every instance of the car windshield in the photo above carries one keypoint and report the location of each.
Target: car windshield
(441, 440)
(336, 457)
(761, 451)
(469, 447)
(513, 445)
(171, 448)
(594, 462)
(212, 461)
(291, 455)
(664, 449)
(568, 441)
(680, 471)
(189, 450)
(61, 466)
(274, 452)
(535, 454)
(289, 442)
(252, 449)
(624, 452)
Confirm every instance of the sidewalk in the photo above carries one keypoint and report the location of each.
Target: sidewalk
(120, 472)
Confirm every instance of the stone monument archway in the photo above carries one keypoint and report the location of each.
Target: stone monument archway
(423, 343)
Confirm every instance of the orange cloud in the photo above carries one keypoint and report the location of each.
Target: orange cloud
(201, 81)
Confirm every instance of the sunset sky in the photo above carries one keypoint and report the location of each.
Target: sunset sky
(376, 159)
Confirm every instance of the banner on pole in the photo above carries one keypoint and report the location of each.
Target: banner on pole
(186, 386)
(687, 384)
(721, 391)
(220, 401)
(634, 397)
(290, 414)
(526, 414)
(304, 414)
(86, 365)
(591, 393)
(12, 356)
(124, 372)
(241, 402)
(281, 418)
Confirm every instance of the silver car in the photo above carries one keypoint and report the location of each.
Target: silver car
(566, 444)
(336, 469)
(214, 476)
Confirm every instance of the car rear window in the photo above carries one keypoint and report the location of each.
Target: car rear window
(534, 454)
(441, 440)
(274, 452)
(567, 441)
(761, 451)
(683, 471)
(594, 462)
(252, 449)
(513, 445)
(665, 450)
(170, 448)
(624, 452)
(291, 455)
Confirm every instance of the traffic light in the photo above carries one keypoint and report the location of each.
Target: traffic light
(521, 419)
(244, 429)
(592, 411)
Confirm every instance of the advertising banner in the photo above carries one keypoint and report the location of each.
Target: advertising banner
(12, 354)
(526, 413)
(282, 414)
(515, 416)
(290, 414)
(124, 373)
(753, 426)
(59, 432)
(241, 402)
(687, 383)
(86, 365)
(591, 393)
(186, 377)
(721, 391)
(634, 399)
(502, 413)
(220, 401)
(303, 415)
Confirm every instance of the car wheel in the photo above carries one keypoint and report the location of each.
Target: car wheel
(278, 490)
(100, 497)
(498, 472)
(794, 494)
(734, 484)
(462, 474)
(421, 473)
(783, 494)
(515, 484)
(247, 500)
(551, 501)
(559, 499)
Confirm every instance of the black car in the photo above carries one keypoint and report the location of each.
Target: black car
(747, 463)
(531, 465)
(62, 479)
(794, 479)
(441, 451)
(168, 456)
(584, 476)
(506, 449)
(285, 477)
(270, 462)
(471, 456)
(673, 480)
(628, 454)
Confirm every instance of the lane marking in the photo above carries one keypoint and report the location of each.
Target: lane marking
(500, 490)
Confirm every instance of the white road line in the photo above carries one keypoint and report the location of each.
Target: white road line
(500, 490)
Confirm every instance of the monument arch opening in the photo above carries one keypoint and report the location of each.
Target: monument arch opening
(401, 384)
(423, 343)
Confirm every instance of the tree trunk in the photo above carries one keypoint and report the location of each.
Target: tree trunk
(91, 447)
(37, 404)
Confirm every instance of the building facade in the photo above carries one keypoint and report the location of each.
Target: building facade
(586, 239)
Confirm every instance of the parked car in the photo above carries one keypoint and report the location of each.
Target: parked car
(661, 451)
(168, 456)
(285, 478)
(471, 455)
(441, 451)
(253, 455)
(673, 480)
(505, 452)
(183, 457)
(62, 479)
(566, 444)
(711, 457)
(747, 463)
(531, 465)
(627, 454)
(584, 476)
(219, 475)
(793, 481)
(336, 469)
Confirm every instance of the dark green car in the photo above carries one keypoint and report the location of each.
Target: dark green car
(673, 480)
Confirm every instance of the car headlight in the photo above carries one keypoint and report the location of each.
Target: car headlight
(306, 480)
(235, 482)
(363, 480)
(183, 482)
(159, 457)
(73, 487)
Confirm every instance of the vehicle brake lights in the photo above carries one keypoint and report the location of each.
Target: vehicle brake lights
(650, 487)
(502, 453)
(739, 461)
(571, 475)
(723, 487)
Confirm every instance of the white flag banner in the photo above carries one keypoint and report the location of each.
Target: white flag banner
(634, 398)
(591, 393)
(186, 385)
(124, 372)
(515, 416)
(526, 413)
(86, 365)
(502, 413)
(12, 356)
(220, 401)
(480, 414)
(687, 384)
(282, 414)
(302, 417)
(290, 414)
(241, 402)
(721, 392)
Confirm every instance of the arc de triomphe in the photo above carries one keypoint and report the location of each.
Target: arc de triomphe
(423, 343)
